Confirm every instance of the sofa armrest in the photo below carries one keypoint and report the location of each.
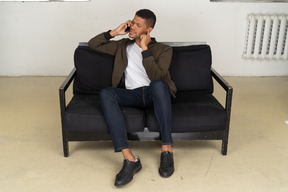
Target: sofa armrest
(68, 80)
(62, 90)
(229, 91)
(228, 88)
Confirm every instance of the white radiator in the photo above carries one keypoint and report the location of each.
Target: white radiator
(266, 37)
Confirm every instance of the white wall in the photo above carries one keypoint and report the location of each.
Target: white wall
(40, 38)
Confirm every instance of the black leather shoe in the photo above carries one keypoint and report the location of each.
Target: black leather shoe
(166, 168)
(127, 172)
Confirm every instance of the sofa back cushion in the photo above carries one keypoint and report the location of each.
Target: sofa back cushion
(191, 68)
(93, 70)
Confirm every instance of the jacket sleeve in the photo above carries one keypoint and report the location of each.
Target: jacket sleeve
(157, 68)
(103, 44)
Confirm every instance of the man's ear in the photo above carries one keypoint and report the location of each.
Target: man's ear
(150, 29)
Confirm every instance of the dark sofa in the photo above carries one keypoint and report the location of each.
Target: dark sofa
(196, 113)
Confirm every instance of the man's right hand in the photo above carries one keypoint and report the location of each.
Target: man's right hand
(120, 30)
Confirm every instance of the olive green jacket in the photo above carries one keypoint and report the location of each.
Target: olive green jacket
(156, 60)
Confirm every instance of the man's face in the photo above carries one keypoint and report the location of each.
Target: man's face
(138, 27)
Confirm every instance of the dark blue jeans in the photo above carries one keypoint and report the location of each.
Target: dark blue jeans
(156, 95)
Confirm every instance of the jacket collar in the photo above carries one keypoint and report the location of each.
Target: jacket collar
(153, 41)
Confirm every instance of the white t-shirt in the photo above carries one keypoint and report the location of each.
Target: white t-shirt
(135, 73)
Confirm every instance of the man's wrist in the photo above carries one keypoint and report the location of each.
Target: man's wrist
(107, 35)
(113, 33)
(146, 53)
(144, 48)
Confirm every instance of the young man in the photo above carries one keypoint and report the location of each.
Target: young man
(143, 64)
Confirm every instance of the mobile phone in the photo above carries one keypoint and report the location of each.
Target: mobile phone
(127, 29)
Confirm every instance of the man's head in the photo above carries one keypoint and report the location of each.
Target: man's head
(143, 22)
(149, 17)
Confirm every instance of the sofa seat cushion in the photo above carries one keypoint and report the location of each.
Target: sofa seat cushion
(84, 113)
(192, 112)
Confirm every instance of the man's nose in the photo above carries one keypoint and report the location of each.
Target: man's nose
(132, 26)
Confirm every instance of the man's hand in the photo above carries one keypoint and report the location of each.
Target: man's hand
(145, 40)
(120, 30)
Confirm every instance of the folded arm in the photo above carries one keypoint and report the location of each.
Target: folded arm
(157, 68)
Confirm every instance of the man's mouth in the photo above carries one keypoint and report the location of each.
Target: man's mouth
(132, 32)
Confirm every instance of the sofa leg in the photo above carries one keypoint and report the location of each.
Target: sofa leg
(65, 149)
(65, 144)
(224, 147)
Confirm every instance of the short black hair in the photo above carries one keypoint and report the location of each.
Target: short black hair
(148, 15)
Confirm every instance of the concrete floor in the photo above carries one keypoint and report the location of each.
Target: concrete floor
(31, 156)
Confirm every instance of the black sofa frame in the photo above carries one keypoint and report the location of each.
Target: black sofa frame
(68, 135)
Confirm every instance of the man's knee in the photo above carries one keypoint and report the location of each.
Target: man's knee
(106, 93)
(159, 85)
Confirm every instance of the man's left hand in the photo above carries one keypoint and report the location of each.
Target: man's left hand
(145, 40)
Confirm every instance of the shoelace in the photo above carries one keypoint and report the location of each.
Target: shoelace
(166, 160)
(126, 170)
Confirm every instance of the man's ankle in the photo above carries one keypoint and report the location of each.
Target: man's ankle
(166, 148)
(132, 159)
(127, 154)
